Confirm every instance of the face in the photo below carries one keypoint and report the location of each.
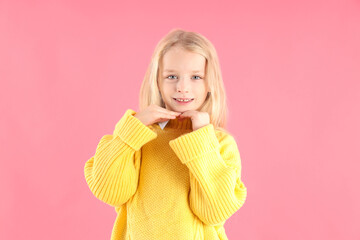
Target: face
(182, 76)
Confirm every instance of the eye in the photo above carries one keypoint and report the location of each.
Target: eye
(170, 76)
(198, 76)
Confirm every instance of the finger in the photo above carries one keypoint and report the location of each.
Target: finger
(164, 110)
(163, 119)
(185, 114)
(166, 116)
(173, 112)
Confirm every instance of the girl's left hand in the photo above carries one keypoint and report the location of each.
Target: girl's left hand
(198, 119)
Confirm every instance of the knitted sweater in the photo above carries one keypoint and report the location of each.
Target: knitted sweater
(167, 182)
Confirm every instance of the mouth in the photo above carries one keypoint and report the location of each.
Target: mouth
(183, 100)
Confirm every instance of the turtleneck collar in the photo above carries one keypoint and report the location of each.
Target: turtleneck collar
(185, 124)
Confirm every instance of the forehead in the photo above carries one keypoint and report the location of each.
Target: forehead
(180, 60)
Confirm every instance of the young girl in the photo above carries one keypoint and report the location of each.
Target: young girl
(171, 170)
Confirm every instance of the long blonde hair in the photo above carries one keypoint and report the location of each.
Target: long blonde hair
(215, 103)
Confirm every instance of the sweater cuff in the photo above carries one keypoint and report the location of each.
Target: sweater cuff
(191, 145)
(132, 131)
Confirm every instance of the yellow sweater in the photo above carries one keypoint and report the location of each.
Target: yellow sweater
(171, 183)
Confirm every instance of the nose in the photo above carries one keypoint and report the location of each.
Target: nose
(182, 85)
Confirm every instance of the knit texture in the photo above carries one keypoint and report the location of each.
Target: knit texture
(171, 183)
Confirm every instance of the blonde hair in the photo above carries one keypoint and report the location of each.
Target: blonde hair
(215, 102)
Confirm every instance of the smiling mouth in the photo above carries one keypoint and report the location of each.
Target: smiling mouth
(183, 100)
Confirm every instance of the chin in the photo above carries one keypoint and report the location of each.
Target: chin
(178, 108)
(184, 109)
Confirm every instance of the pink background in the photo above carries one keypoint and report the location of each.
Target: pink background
(70, 69)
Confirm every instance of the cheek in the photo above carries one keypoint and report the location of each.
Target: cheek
(201, 86)
(167, 88)
(200, 91)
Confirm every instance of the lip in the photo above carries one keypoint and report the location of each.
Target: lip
(183, 103)
(184, 98)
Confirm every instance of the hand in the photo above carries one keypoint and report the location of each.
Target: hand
(154, 113)
(198, 119)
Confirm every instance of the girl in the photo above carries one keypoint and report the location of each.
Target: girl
(171, 170)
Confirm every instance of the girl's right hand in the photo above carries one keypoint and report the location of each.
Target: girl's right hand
(154, 113)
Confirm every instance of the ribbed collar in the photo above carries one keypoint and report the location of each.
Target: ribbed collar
(186, 123)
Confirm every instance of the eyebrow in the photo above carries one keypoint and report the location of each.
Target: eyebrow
(171, 70)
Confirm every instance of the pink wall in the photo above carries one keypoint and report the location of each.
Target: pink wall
(69, 70)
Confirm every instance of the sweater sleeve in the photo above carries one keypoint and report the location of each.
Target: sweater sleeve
(216, 189)
(112, 173)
